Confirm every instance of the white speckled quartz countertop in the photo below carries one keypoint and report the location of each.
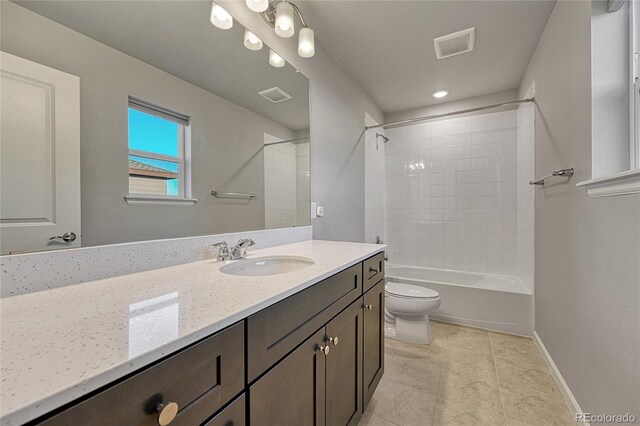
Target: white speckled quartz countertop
(60, 344)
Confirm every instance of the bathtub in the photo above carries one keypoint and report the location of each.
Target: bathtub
(496, 302)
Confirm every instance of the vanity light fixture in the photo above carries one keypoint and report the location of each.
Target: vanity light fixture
(275, 60)
(220, 17)
(258, 5)
(281, 18)
(251, 41)
(440, 93)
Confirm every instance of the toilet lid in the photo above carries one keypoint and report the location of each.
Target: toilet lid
(408, 290)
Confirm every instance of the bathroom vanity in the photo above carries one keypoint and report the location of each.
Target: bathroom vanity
(309, 350)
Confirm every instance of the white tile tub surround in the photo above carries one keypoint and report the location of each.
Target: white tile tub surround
(374, 185)
(280, 194)
(451, 194)
(526, 171)
(26, 273)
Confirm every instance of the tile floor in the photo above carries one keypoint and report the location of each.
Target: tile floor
(467, 376)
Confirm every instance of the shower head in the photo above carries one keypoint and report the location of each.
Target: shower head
(384, 138)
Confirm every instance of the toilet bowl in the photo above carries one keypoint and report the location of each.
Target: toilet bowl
(407, 312)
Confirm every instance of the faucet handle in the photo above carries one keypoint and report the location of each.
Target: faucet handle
(246, 242)
(223, 250)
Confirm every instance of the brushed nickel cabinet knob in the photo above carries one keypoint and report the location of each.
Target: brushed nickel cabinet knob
(369, 306)
(324, 349)
(334, 340)
(168, 413)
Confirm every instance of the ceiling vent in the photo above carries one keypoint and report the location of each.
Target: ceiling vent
(455, 43)
(275, 95)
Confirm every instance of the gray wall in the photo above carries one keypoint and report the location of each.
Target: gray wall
(226, 138)
(337, 112)
(587, 274)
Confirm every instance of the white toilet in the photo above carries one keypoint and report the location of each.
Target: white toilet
(407, 312)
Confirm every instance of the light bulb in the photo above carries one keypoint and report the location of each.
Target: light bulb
(251, 42)
(284, 20)
(440, 93)
(275, 60)
(306, 43)
(258, 5)
(220, 17)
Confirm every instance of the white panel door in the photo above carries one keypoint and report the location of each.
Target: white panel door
(39, 157)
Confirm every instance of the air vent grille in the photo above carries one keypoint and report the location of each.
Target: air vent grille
(455, 44)
(275, 95)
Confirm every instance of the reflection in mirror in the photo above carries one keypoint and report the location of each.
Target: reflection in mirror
(154, 108)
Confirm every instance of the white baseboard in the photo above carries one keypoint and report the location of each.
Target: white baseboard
(557, 377)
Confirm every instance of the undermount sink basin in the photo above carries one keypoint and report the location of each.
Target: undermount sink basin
(267, 265)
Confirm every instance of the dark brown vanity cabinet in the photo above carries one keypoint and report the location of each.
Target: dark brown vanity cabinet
(319, 383)
(373, 339)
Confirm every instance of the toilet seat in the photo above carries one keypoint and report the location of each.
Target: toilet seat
(408, 291)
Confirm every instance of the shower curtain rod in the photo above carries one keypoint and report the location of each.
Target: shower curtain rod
(287, 141)
(464, 111)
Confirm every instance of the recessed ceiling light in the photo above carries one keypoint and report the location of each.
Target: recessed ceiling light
(440, 93)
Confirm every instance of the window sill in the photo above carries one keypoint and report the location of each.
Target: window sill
(145, 200)
(623, 183)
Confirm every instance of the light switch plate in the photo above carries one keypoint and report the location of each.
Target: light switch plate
(320, 211)
(314, 210)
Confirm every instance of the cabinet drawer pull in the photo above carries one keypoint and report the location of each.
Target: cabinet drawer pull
(334, 340)
(168, 412)
(324, 349)
(374, 270)
(369, 306)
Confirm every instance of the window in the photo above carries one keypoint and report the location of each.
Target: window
(615, 149)
(158, 155)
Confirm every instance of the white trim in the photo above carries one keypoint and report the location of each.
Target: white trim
(569, 399)
(623, 183)
(140, 200)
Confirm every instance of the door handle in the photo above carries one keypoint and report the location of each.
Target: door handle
(67, 237)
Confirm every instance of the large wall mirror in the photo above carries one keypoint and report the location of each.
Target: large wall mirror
(138, 120)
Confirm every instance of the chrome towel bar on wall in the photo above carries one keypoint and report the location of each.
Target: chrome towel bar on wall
(231, 194)
(563, 172)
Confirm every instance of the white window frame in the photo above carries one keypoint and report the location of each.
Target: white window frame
(628, 181)
(183, 160)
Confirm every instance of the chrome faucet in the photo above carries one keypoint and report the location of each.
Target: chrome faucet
(240, 250)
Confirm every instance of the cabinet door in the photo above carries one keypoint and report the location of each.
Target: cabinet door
(373, 339)
(344, 367)
(293, 392)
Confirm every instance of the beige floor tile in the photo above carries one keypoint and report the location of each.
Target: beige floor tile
(445, 328)
(476, 342)
(465, 415)
(524, 374)
(402, 405)
(419, 373)
(462, 360)
(509, 347)
(371, 420)
(511, 422)
(411, 350)
(470, 391)
(533, 407)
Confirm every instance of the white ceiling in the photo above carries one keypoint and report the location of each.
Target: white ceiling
(177, 37)
(388, 45)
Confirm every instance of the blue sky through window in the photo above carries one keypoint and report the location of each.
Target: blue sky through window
(157, 135)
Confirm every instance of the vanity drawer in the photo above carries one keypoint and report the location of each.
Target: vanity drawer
(275, 331)
(200, 379)
(373, 270)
